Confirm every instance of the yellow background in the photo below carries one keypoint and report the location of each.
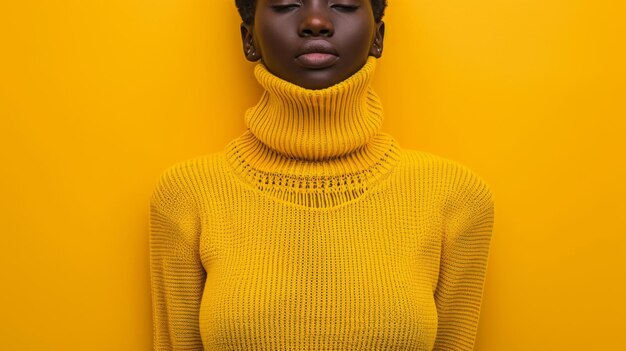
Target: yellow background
(98, 97)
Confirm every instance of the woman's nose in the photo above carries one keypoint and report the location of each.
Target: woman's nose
(316, 22)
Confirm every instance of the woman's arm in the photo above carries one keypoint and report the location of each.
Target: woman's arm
(469, 216)
(177, 274)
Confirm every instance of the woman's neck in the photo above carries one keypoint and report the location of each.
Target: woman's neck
(316, 124)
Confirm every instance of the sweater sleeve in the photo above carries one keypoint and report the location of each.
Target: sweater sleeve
(177, 274)
(469, 217)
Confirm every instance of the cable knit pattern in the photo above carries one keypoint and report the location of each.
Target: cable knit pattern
(314, 230)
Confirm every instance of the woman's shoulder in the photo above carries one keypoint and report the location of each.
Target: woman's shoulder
(191, 171)
(193, 165)
(425, 159)
(455, 178)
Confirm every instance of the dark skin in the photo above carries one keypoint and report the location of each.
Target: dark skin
(282, 28)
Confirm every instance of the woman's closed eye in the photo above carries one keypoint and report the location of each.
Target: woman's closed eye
(345, 8)
(285, 8)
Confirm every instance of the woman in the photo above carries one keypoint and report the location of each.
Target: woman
(314, 229)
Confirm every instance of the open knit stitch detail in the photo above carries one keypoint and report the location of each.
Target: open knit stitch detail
(327, 186)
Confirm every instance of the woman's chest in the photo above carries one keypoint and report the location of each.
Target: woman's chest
(360, 277)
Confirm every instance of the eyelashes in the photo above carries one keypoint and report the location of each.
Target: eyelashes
(345, 8)
(285, 8)
(291, 7)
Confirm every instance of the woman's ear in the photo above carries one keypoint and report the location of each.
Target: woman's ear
(377, 45)
(247, 39)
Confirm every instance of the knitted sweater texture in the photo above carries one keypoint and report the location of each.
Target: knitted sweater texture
(314, 230)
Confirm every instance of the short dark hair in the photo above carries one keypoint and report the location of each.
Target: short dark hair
(246, 9)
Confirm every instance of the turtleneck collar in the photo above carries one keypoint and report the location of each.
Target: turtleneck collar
(315, 148)
(316, 124)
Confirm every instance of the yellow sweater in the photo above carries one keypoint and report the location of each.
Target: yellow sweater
(314, 230)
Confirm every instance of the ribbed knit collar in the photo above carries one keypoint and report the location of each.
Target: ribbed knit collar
(316, 124)
(325, 143)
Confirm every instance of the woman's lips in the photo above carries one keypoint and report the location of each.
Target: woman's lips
(317, 60)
